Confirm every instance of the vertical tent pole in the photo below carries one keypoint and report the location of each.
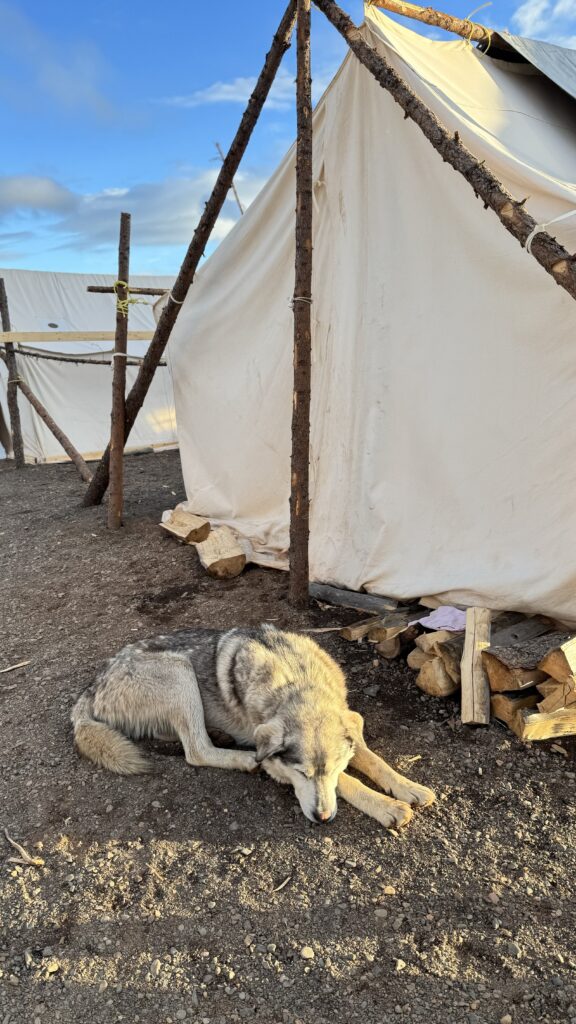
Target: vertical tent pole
(299, 496)
(139, 390)
(117, 432)
(14, 411)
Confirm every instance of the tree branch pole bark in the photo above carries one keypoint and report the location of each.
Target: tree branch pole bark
(117, 429)
(280, 44)
(300, 475)
(12, 389)
(104, 289)
(469, 30)
(552, 256)
(53, 427)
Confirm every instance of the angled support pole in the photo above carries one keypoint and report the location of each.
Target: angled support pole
(12, 387)
(53, 427)
(135, 399)
(469, 30)
(302, 304)
(552, 256)
(117, 429)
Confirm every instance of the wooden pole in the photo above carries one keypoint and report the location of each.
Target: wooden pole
(53, 427)
(469, 30)
(12, 388)
(233, 186)
(104, 289)
(116, 501)
(302, 303)
(552, 256)
(475, 685)
(280, 44)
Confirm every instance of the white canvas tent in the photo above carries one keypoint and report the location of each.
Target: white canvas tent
(79, 396)
(444, 373)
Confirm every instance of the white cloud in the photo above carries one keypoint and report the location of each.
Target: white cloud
(28, 192)
(546, 19)
(282, 94)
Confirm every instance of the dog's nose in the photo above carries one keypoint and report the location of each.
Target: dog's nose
(323, 816)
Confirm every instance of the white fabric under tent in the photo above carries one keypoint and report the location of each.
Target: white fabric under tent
(78, 395)
(444, 357)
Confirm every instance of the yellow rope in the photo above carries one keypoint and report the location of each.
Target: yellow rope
(123, 305)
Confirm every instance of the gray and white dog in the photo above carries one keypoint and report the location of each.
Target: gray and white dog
(278, 693)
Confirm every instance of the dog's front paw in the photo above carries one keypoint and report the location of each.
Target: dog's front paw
(414, 794)
(247, 761)
(396, 814)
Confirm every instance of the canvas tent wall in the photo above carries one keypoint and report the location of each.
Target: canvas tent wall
(444, 375)
(79, 395)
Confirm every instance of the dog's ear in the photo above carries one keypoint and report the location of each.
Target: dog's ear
(354, 725)
(269, 739)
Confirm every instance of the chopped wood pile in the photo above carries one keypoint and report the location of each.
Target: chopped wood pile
(521, 671)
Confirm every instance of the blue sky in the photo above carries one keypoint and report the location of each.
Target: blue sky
(114, 106)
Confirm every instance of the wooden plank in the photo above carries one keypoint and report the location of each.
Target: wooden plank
(187, 527)
(503, 679)
(520, 631)
(221, 554)
(116, 495)
(560, 663)
(351, 599)
(434, 680)
(31, 337)
(561, 695)
(475, 686)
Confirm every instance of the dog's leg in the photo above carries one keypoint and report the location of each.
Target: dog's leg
(390, 813)
(376, 769)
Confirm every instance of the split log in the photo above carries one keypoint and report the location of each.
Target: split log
(557, 695)
(302, 306)
(387, 629)
(560, 663)
(474, 682)
(351, 599)
(376, 626)
(553, 257)
(516, 667)
(529, 725)
(434, 680)
(186, 527)
(506, 706)
(389, 649)
(221, 554)
(212, 210)
(417, 658)
(12, 387)
(427, 641)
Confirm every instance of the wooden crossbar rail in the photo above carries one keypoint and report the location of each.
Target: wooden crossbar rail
(470, 30)
(101, 289)
(30, 337)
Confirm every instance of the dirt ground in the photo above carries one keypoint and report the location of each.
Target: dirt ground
(191, 893)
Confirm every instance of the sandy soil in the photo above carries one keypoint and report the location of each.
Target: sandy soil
(190, 894)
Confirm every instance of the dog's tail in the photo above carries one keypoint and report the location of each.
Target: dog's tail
(102, 743)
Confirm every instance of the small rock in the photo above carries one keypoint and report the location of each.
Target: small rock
(514, 950)
(506, 1019)
(102, 986)
(493, 897)
(156, 803)
(400, 965)
(381, 912)
(155, 968)
(180, 1014)
(307, 953)
(389, 890)
(52, 966)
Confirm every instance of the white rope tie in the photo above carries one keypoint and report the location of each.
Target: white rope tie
(544, 225)
(176, 300)
(119, 355)
(301, 298)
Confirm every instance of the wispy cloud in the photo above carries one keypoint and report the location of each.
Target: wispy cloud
(546, 19)
(164, 213)
(68, 76)
(238, 90)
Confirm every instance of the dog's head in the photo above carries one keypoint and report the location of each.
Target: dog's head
(310, 752)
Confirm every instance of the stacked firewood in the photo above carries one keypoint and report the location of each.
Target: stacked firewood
(220, 551)
(523, 672)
